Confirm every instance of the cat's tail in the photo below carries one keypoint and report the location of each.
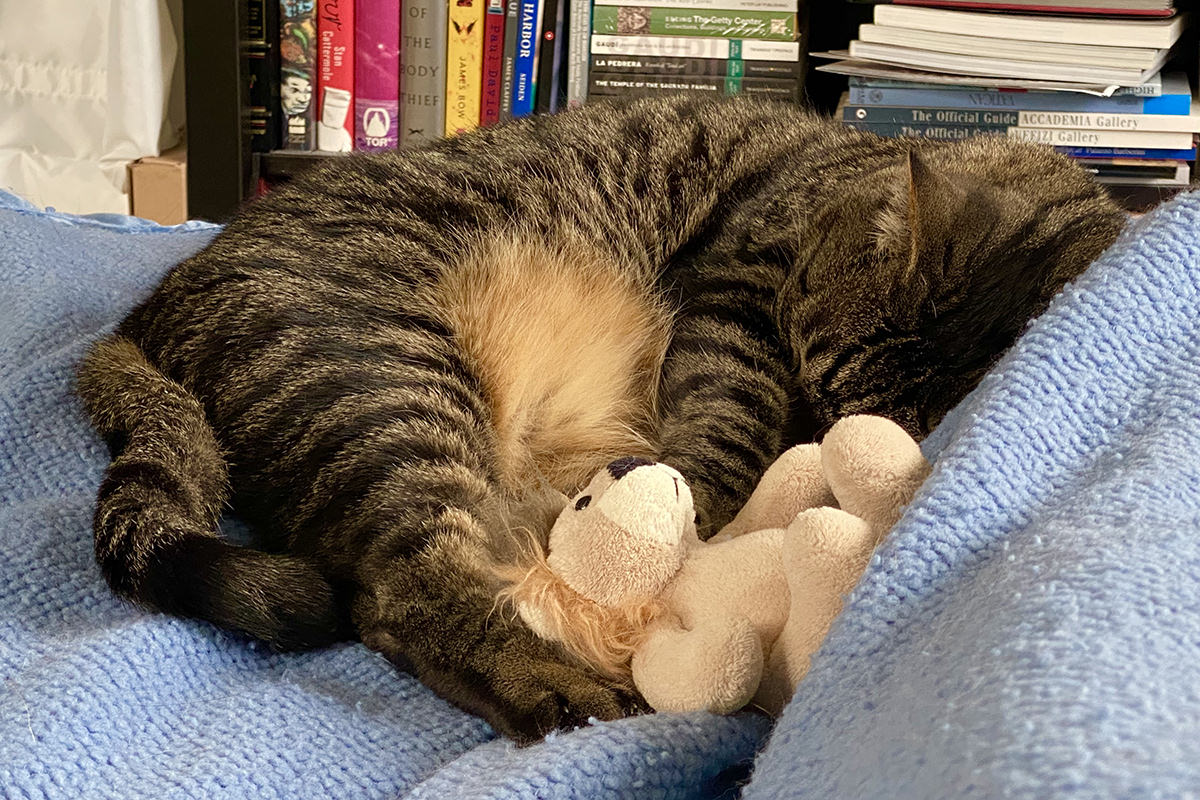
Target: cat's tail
(156, 533)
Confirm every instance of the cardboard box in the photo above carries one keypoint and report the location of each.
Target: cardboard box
(158, 187)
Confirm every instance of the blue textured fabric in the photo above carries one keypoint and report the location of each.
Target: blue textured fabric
(99, 699)
(1031, 629)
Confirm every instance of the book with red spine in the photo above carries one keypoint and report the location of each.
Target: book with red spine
(493, 62)
(335, 75)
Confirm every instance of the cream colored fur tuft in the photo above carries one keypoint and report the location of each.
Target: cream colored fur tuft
(568, 345)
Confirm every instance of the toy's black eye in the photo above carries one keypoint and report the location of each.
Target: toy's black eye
(582, 502)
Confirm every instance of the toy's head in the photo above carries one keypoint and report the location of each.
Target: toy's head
(612, 551)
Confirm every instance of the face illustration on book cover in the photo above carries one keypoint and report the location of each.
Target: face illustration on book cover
(298, 34)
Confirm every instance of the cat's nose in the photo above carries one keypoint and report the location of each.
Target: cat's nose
(623, 466)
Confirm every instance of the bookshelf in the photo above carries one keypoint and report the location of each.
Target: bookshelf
(223, 171)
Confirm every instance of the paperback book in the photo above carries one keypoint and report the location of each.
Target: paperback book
(696, 47)
(377, 74)
(646, 21)
(603, 84)
(674, 66)
(512, 25)
(297, 73)
(525, 64)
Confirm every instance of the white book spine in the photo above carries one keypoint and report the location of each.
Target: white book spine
(1110, 122)
(695, 47)
(1132, 33)
(1070, 137)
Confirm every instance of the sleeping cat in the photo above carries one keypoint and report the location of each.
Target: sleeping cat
(390, 364)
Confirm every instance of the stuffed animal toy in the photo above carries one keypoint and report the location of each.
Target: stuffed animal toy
(627, 585)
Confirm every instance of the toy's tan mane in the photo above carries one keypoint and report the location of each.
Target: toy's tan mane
(603, 637)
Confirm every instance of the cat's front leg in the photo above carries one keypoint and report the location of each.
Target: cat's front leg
(724, 388)
(434, 614)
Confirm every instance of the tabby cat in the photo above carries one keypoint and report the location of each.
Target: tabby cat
(387, 366)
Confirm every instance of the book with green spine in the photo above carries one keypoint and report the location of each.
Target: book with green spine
(645, 21)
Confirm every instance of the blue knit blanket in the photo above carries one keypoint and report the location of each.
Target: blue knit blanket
(1031, 628)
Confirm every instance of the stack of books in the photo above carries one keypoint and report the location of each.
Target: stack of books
(1091, 79)
(702, 47)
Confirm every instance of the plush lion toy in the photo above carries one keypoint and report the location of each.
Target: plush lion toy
(628, 587)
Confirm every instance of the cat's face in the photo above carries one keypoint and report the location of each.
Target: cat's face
(971, 241)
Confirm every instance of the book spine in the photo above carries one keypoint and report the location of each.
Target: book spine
(929, 116)
(549, 57)
(637, 21)
(335, 78)
(695, 47)
(603, 84)
(1128, 152)
(946, 133)
(377, 74)
(523, 68)
(669, 65)
(580, 30)
(260, 49)
(464, 65)
(1046, 8)
(423, 71)
(297, 74)
(1150, 89)
(512, 24)
(1029, 101)
(493, 62)
(785, 6)
(1090, 138)
(1106, 122)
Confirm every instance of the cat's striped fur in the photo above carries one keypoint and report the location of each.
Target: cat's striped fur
(389, 362)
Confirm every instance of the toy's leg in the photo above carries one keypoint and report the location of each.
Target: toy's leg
(715, 666)
(724, 386)
(824, 555)
(874, 467)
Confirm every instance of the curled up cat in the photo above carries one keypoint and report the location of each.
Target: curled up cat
(390, 365)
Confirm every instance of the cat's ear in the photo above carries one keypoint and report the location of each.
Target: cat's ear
(920, 221)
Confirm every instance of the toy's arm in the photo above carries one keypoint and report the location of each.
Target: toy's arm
(795, 482)
(715, 666)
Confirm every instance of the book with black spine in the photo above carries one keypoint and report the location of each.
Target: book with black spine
(260, 51)
(512, 15)
(550, 57)
(602, 84)
(671, 65)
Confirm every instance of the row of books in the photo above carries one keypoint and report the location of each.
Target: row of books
(374, 74)
(1094, 83)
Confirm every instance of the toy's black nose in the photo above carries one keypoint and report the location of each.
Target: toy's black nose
(623, 466)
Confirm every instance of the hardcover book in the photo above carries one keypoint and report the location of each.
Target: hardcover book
(493, 62)
(297, 73)
(335, 76)
(260, 51)
(464, 65)
(422, 71)
(548, 84)
(377, 75)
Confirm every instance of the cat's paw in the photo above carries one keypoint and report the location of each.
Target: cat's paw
(537, 690)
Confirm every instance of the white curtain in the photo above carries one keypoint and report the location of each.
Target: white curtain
(86, 86)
